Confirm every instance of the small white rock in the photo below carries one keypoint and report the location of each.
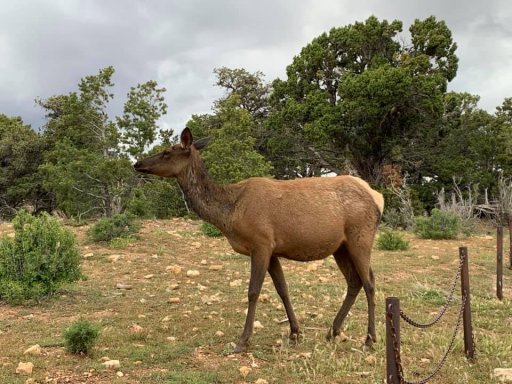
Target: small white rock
(219, 333)
(244, 371)
(504, 375)
(119, 374)
(176, 269)
(33, 350)
(112, 364)
(114, 258)
(24, 368)
(193, 273)
(261, 381)
(257, 325)
(136, 328)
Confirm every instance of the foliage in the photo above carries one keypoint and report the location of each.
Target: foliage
(157, 198)
(109, 228)
(250, 88)
(392, 241)
(38, 260)
(85, 163)
(401, 205)
(439, 225)
(210, 230)
(20, 155)
(80, 336)
(144, 106)
(356, 93)
(230, 155)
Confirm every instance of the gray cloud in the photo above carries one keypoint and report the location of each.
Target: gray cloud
(46, 46)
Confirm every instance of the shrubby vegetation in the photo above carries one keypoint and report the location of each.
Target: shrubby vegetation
(40, 258)
(210, 230)
(391, 241)
(80, 336)
(439, 225)
(110, 228)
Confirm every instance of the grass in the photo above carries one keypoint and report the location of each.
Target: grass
(178, 341)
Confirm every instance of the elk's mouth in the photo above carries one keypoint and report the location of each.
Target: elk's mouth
(140, 168)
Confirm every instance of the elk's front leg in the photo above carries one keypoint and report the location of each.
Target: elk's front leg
(259, 266)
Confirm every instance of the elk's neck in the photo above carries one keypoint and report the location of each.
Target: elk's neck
(212, 202)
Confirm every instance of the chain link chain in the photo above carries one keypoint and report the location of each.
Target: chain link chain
(442, 311)
(440, 314)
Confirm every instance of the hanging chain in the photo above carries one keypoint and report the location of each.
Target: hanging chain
(396, 347)
(450, 346)
(442, 311)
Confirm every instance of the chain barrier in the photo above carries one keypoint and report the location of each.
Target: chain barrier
(441, 362)
(443, 309)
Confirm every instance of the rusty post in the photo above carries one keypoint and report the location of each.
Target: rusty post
(392, 340)
(499, 262)
(469, 348)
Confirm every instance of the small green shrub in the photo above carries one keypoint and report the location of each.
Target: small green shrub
(392, 241)
(109, 228)
(80, 336)
(439, 225)
(40, 258)
(210, 230)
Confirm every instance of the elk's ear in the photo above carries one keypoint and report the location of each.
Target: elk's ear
(186, 138)
(201, 143)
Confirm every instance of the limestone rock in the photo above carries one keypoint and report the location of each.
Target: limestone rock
(24, 368)
(112, 364)
(503, 375)
(33, 350)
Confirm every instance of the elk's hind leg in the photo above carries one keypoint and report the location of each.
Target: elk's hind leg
(360, 254)
(276, 272)
(354, 285)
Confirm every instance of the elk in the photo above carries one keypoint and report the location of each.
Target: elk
(266, 219)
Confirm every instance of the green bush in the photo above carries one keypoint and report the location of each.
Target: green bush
(210, 230)
(80, 336)
(109, 228)
(38, 260)
(439, 225)
(159, 199)
(392, 241)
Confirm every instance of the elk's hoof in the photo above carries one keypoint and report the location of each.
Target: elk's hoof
(331, 334)
(294, 337)
(368, 344)
(240, 348)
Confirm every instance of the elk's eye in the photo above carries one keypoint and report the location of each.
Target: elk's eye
(166, 153)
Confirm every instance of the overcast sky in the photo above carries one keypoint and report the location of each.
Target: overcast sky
(47, 46)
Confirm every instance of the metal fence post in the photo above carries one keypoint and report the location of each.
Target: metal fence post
(499, 262)
(392, 340)
(466, 316)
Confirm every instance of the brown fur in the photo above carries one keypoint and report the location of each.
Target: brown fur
(303, 220)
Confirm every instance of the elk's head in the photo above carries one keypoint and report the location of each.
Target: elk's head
(173, 160)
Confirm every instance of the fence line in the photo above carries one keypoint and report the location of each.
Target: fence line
(394, 374)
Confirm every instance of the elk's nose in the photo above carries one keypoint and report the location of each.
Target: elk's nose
(137, 165)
